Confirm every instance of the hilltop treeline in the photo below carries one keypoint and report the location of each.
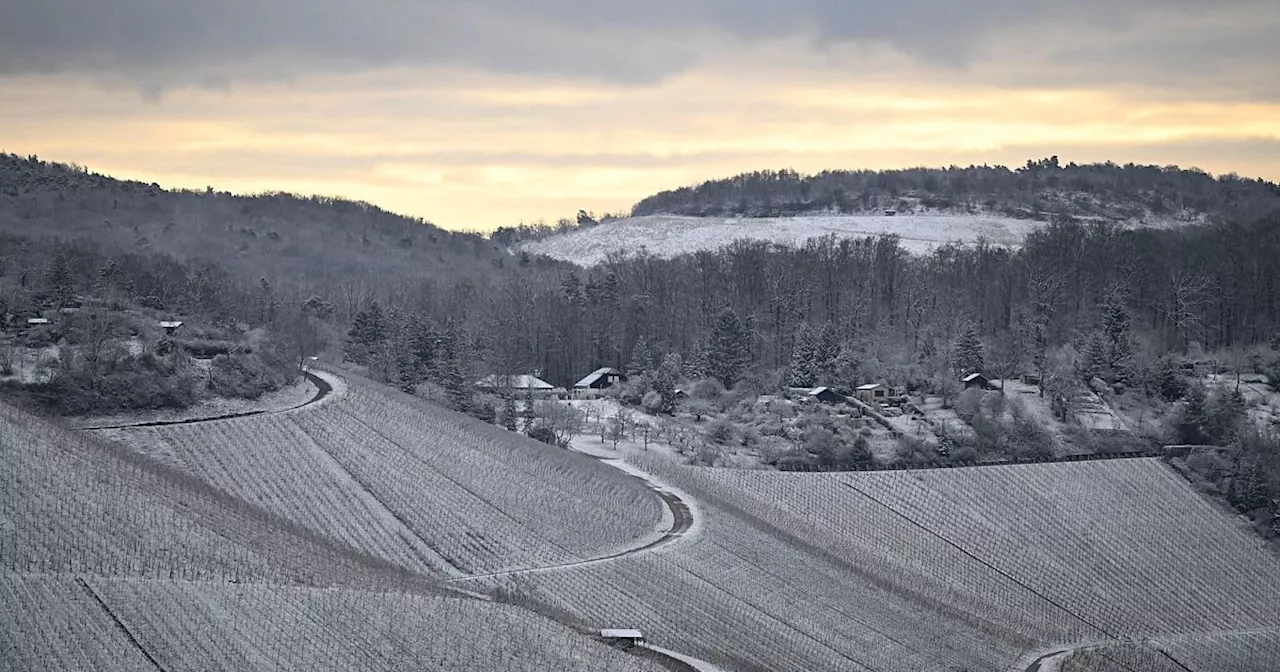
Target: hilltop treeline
(280, 235)
(1042, 189)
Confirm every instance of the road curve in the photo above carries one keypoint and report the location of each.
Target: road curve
(682, 522)
(323, 389)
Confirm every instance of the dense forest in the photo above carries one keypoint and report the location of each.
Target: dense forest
(1042, 189)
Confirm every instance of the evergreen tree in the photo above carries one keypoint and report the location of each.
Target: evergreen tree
(1166, 380)
(268, 304)
(368, 330)
(62, 288)
(1094, 359)
(1116, 325)
(730, 348)
(1191, 425)
(509, 412)
(665, 380)
(804, 357)
(968, 356)
(642, 358)
(452, 366)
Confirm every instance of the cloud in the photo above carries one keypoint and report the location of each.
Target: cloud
(159, 43)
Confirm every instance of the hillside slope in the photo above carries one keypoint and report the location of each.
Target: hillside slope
(407, 481)
(978, 568)
(112, 562)
(671, 235)
(274, 234)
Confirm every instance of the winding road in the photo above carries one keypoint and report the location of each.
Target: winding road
(682, 520)
(323, 389)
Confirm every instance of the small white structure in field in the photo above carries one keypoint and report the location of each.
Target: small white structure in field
(872, 393)
(170, 326)
(37, 321)
(632, 637)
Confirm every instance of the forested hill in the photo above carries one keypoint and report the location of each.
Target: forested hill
(286, 234)
(1039, 190)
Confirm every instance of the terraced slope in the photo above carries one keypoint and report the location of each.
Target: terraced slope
(61, 623)
(977, 568)
(111, 561)
(419, 486)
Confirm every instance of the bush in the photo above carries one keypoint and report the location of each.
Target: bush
(484, 411)
(243, 377)
(543, 434)
(720, 432)
(135, 384)
(651, 403)
(709, 389)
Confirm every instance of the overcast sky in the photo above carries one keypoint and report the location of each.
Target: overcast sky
(480, 113)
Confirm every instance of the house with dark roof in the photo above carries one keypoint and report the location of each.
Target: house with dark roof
(597, 381)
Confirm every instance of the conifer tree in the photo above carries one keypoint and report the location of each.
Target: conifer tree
(730, 348)
(968, 356)
(804, 357)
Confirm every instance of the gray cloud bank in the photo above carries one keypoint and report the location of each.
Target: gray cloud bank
(1223, 44)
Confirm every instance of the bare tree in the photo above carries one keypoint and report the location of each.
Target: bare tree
(564, 421)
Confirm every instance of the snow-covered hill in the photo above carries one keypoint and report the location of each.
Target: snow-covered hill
(672, 235)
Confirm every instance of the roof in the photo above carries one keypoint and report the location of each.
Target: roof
(818, 390)
(170, 325)
(514, 382)
(870, 386)
(614, 633)
(597, 375)
(37, 320)
(973, 376)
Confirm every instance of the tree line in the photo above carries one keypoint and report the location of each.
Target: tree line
(1041, 189)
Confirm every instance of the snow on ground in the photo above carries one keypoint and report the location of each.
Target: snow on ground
(672, 235)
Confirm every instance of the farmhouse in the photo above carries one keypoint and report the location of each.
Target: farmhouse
(872, 393)
(512, 383)
(170, 326)
(825, 395)
(598, 380)
(975, 380)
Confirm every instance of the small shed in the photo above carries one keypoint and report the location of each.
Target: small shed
(975, 380)
(170, 326)
(872, 393)
(37, 321)
(600, 379)
(622, 635)
(1030, 378)
(826, 395)
(890, 213)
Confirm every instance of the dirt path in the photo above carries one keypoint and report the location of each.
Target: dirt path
(323, 389)
(682, 520)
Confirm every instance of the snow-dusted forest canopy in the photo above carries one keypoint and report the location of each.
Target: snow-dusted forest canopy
(1041, 189)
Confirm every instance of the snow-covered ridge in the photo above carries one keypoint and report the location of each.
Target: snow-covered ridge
(673, 235)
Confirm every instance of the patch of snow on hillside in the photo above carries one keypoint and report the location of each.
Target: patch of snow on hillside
(671, 235)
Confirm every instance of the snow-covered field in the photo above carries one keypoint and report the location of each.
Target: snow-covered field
(672, 235)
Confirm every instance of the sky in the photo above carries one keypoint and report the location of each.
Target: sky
(475, 114)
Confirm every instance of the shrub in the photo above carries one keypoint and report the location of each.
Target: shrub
(720, 432)
(484, 411)
(543, 434)
(136, 383)
(243, 377)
